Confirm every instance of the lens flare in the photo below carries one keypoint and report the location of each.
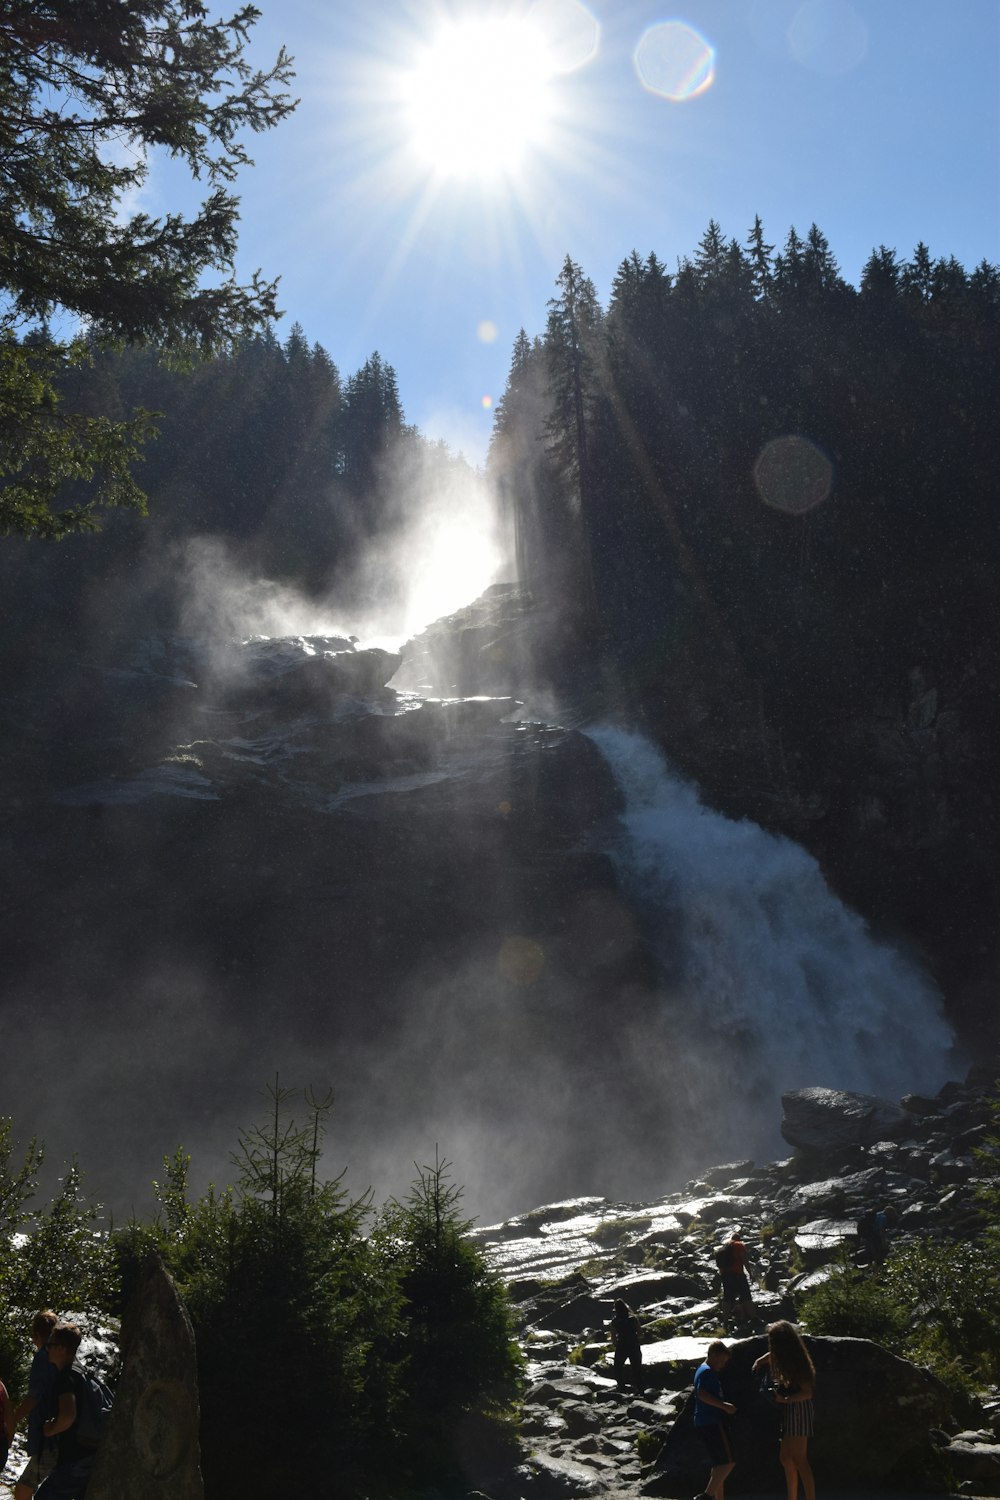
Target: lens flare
(486, 331)
(675, 61)
(793, 475)
(487, 403)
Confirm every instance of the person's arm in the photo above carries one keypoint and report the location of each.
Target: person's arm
(709, 1400)
(24, 1407)
(804, 1393)
(64, 1418)
(8, 1417)
(759, 1364)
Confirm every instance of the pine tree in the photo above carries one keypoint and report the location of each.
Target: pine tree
(761, 265)
(75, 83)
(573, 353)
(710, 257)
(462, 1361)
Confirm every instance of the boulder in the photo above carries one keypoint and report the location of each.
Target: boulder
(151, 1446)
(826, 1121)
(974, 1461)
(874, 1414)
(653, 1286)
(549, 1478)
(823, 1239)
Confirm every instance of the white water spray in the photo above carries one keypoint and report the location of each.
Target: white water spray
(772, 983)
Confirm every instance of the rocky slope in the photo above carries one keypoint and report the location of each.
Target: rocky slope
(880, 1422)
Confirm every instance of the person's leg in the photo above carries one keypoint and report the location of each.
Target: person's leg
(619, 1365)
(796, 1466)
(67, 1481)
(798, 1448)
(717, 1479)
(636, 1360)
(790, 1468)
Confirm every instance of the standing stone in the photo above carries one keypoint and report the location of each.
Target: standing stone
(151, 1446)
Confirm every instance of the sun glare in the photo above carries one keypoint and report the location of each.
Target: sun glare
(477, 98)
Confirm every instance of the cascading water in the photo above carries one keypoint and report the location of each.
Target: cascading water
(770, 982)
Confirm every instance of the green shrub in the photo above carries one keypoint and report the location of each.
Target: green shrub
(854, 1306)
(952, 1296)
(611, 1232)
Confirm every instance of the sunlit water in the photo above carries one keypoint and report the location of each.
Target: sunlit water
(771, 982)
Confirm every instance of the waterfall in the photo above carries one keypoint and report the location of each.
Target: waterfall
(769, 982)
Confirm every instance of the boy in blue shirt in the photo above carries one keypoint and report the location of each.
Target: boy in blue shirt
(711, 1413)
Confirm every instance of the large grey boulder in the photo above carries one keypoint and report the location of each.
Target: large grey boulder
(151, 1447)
(830, 1120)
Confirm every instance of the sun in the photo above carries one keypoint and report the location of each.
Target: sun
(477, 98)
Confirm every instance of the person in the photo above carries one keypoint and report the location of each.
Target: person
(711, 1413)
(34, 1406)
(794, 1377)
(74, 1460)
(873, 1231)
(733, 1261)
(625, 1337)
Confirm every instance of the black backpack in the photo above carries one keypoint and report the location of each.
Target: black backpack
(865, 1226)
(95, 1406)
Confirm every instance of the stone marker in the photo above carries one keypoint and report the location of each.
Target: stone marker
(151, 1446)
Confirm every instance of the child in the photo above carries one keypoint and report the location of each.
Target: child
(710, 1412)
(41, 1451)
(794, 1377)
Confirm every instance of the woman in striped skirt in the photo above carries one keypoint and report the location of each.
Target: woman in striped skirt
(794, 1377)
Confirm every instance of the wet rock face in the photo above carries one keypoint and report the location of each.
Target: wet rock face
(285, 862)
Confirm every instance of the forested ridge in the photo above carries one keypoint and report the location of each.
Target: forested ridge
(301, 473)
(767, 499)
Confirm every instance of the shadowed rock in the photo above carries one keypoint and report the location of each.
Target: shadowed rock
(829, 1120)
(886, 1405)
(151, 1447)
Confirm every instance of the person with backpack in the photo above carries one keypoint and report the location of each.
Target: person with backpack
(873, 1232)
(70, 1401)
(733, 1262)
(34, 1406)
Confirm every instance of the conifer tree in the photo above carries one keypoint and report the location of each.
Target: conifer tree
(573, 352)
(75, 83)
(761, 266)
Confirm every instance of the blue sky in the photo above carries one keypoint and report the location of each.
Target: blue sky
(877, 119)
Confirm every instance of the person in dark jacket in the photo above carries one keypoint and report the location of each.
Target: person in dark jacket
(625, 1337)
(75, 1460)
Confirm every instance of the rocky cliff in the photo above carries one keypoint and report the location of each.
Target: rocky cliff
(896, 798)
(256, 857)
